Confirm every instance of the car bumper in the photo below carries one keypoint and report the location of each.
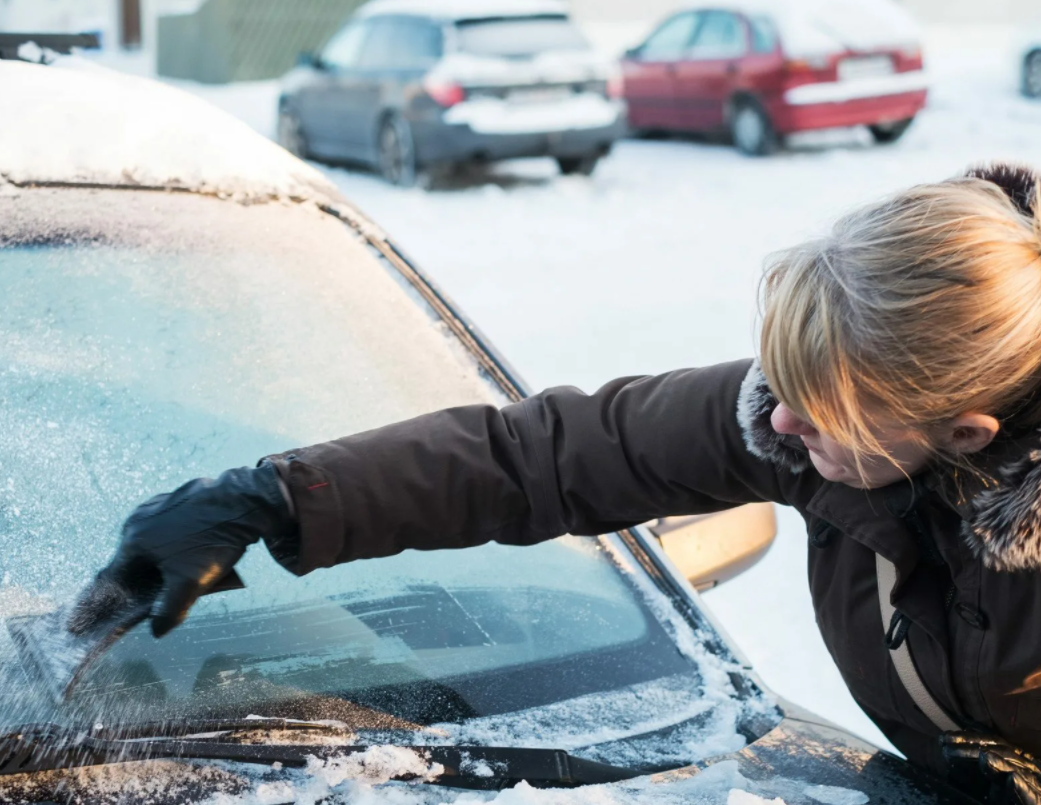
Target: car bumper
(494, 131)
(885, 99)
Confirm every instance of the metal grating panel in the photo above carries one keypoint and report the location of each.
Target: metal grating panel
(246, 40)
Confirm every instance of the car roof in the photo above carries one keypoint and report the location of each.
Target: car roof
(810, 26)
(464, 9)
(81, 124)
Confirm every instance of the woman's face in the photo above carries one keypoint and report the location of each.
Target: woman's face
(906, 456)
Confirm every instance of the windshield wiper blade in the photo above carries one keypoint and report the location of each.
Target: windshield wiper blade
(48, 747)
(180, 728)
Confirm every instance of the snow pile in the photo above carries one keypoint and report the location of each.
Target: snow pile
(133, 131)
(738, 796)
(720, 784)
(834, 795)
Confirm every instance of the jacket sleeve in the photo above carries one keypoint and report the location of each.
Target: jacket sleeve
(558, 462)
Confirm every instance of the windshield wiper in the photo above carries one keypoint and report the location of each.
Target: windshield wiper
(47, 747)
(181, 728)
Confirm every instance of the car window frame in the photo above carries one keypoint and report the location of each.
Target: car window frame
(342, 67)
(690, 52)
(760, 22)
(432, 25)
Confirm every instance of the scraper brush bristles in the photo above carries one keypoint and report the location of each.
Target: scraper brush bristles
(61, 658)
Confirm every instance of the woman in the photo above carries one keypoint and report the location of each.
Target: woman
(895, 405)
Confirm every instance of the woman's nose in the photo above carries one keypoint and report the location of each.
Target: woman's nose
(785, 422)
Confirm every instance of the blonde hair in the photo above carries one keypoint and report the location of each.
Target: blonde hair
(912, 311)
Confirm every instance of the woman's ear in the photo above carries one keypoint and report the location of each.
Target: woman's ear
(968, 433)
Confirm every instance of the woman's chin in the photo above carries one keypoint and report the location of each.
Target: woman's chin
(835, 473)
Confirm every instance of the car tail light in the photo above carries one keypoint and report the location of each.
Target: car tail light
(811, 64)
(444, 93)
(910, 58)
(808, 70)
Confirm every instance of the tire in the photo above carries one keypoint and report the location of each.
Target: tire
(290, 134)
(752, 130)
(396, 152)
(886, 133)
(1032, 74)
(578, 166)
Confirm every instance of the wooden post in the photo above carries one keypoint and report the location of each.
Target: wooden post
(130, 24)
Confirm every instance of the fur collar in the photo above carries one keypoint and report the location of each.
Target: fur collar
(1001, 517)
(755, 404)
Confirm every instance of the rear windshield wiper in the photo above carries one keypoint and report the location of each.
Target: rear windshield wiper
(47, 747)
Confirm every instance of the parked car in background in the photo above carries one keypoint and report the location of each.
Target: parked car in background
(413, 84)
(762, 70)
(1031, 70)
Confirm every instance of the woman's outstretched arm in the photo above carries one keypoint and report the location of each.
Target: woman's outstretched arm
(559, 462)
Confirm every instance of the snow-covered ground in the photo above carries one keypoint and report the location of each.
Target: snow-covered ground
(653, 264)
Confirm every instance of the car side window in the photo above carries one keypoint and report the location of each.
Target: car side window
(380, 47)
(344, 50)
(721, 35)
(671, 39)
(418, 43)
(764, 34)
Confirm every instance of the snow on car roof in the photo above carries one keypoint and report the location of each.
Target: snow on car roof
(464, 9)
(813, 26)
(77, 123)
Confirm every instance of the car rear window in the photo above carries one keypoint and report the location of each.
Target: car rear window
(518, 37)
(764, 34)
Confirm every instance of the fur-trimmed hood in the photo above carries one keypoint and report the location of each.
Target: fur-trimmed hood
(1001, 510)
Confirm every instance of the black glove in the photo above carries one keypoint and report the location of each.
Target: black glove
(1007, 776)
(179, 546)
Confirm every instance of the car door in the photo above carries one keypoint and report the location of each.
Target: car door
(709, 70)
(403, 50)
(649, 73)
(327, 105)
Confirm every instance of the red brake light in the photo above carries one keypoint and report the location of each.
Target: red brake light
(810, 65)
(445, 94)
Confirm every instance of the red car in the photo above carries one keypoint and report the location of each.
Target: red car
(761, 72)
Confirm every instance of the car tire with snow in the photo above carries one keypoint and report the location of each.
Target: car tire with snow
(290, 134)
(752, 130)
(1032, 74)
(578, 166)
(396, 151)
(885, 133)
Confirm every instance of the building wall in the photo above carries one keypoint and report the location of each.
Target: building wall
(76, 16)
(62, 16)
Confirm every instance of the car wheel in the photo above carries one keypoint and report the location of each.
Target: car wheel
(1032, 75)
(578, 166)
(890, 132)
(397, 153)
(291, 135)
(752, 131)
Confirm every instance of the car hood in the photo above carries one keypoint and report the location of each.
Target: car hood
(799, 762)
(133, 132)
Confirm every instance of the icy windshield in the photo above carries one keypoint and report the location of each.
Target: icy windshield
(148, 338)
(518, 37)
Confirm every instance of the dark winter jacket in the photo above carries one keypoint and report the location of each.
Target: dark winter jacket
(968, 555)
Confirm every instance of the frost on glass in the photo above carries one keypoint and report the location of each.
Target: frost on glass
(149, 338)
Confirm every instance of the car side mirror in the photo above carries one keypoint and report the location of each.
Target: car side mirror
(710, 549)
(309, 59)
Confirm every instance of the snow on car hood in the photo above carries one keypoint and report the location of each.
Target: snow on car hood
(96, 126)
